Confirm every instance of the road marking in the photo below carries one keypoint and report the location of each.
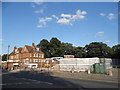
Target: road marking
(5, 73)
(37, 81)
(15, 83)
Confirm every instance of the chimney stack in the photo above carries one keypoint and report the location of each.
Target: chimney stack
(15, 47)
(33, 44)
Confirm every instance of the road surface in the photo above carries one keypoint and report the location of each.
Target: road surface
(29, 80)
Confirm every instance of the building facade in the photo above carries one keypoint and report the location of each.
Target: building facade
(26, 56)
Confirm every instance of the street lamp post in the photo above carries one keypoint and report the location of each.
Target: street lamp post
(8, 53)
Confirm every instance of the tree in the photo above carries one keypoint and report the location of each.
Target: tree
(79, 52)
(56, 48)
(55, 45)
(44, 46)
(116, 51)
(4, 57)
(98, 49)
(67, 48)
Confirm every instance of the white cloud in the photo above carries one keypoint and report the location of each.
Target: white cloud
(110, 16)
(33, 6)
(54, 16)
(66, 15)
(100, 33)
(39, 11)
(107, 41)
(79, 15)
(64, 21)
(48, 19)
(38, 2)
(84, 12)
(75, 17)
(68, 19)
(43, 21)
(79, 12)
(102, 14)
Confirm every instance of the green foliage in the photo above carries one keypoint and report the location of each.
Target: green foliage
(98, 49)
(44, 45)
(116, 51)
(4, 57)
(79, 52)
(56, 48)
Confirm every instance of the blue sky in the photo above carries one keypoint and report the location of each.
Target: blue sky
(78, 23)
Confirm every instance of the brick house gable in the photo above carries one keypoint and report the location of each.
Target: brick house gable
(27, 54)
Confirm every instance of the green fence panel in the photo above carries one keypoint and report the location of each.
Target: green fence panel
(102, 68)
(97, 68)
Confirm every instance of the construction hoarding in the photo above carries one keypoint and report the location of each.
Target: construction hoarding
(81, 64)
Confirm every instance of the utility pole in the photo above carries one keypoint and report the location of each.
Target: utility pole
(8, 53)
(1, 54)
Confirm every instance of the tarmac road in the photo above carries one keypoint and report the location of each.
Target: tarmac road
(29, 80)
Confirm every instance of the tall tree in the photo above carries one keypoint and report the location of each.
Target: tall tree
(56, 48)
(98, 49)
(79, 52)
(116, 50)
(44, 46)
(55, 45)
(67, 48)
(4, 57)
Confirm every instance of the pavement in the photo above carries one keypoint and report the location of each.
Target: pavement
(82, 75)
(29, 80)
(85, 76)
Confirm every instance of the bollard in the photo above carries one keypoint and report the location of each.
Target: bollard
(72, 71)
(89, 72)
(110, 72)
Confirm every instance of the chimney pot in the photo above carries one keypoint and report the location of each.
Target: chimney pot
(33, 44)
(15, 47)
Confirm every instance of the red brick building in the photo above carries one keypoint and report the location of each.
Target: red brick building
(26, 57)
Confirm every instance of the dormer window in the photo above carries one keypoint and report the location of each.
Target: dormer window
(37, 49)
(25, 49)
(15, 50)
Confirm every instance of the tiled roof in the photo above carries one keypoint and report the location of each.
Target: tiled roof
(12, 53)
(20, 49)
(30, 49)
